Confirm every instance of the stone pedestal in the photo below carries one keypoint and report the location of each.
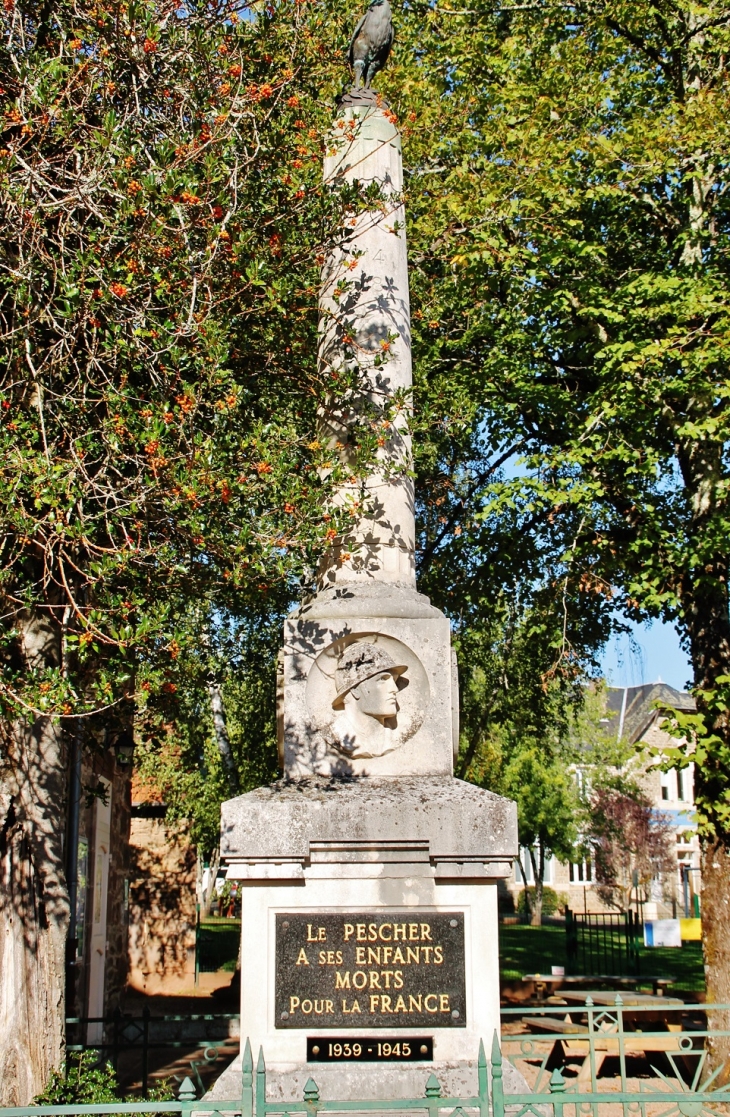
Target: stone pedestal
(397, 861)
(369, 873)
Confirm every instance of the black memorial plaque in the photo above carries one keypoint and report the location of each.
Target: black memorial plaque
(369, 1049)
(361, 970)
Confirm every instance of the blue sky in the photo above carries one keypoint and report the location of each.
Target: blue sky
(656, 654)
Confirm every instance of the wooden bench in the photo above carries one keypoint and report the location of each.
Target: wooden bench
(550, 1024)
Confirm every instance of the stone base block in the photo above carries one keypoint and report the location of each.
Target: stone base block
(369, 914)
(466, 832)
(366, 1081)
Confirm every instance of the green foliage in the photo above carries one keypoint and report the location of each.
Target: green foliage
(547, 802)
(85, 1081)
(552, 902)
(569, 233)
(82, 1082)
(161, 478)
(529, 720)
(163, 481)
(710, 751)
(162, 228)
(179, 758)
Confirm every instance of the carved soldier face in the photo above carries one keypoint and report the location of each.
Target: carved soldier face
(377, 696)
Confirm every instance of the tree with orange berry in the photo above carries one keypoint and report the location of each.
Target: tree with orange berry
(162, 216)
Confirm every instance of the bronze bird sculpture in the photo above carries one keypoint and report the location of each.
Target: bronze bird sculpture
(371, 42)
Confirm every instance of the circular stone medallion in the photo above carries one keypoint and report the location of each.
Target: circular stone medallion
(367, 710)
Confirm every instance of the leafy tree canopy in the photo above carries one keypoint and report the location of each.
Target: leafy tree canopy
(179, 759)
(569, 244)
(632, 846)
(163, 219)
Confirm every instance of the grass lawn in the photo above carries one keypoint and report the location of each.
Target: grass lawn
(219, 941)
(524, 950)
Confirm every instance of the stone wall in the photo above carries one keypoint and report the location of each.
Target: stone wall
(162, 898)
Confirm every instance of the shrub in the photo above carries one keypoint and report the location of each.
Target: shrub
(552, 901)
(83, 1081)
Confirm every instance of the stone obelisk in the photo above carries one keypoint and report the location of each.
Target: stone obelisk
(367, 579)
(365, 324)
(369, 954)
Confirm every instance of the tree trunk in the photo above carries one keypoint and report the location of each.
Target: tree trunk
(716, 947)
(33, 897)
(711, 783)
(705, 605)
(704, 594)
(221, 735)
(526, 890)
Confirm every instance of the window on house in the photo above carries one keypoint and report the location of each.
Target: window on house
(680, 785)
(667, 779)
(688, 782)
(524, 873)
(581, 872)
(582, 781)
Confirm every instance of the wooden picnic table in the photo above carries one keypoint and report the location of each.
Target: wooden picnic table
(576, 1038)
(557, 982)
(606, 998)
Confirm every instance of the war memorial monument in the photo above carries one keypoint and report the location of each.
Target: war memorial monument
(369, 953)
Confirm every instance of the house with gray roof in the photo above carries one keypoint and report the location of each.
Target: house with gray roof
(632, 713)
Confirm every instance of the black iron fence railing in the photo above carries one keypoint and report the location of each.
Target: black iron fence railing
(605, 943)
(214, 1035)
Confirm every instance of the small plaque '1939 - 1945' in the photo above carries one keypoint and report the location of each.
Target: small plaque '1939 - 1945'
(360, 970)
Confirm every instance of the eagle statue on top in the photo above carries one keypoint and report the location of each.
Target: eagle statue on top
(371, 42)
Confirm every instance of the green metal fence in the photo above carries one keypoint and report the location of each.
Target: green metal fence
(672, 1040)
(646, 1046)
